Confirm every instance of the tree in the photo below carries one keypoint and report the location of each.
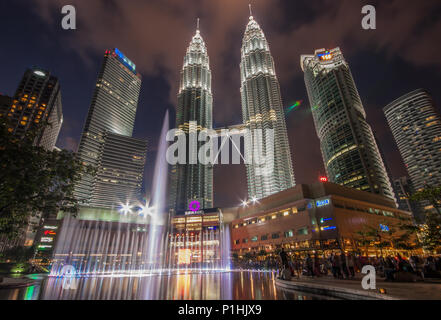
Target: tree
(18, 254)
(34, 180)
(430, 194)
(430, 235)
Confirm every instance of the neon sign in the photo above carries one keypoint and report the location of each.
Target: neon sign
(328, 228)
(323, 179)
(384, 228)
(326, 56)
(322, 203)
(50, 233)
(50, 227)
(129, 64)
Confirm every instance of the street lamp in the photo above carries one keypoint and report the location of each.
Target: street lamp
(125, 209)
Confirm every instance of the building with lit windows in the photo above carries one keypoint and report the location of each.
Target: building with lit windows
(120, 173)
(193, 181)
(350, 153)
(107, 135)
(416, 127)
(262, 111)
(321, 218)
(37, 99)
(403, 188)
(196, 239)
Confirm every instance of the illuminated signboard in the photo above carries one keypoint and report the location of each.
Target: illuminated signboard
(49, 233)
(384, 228)
(322, 203)
(323, 179)
(47, 239)
(322, 220)
(44, 246)
(50, 227)
(129, 64)
(325, 56)
(328, 228)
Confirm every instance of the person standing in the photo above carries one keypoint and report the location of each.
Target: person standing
(350, 264)
(344, 267)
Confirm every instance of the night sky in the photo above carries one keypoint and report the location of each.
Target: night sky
(403, 54)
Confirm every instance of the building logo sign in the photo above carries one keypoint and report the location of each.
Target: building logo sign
(322, 203)
(194, 206)
(384, 228)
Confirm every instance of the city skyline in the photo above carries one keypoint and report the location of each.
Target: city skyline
(376, 94)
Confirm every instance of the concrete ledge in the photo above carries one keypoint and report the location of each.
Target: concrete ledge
(332, 291)
(11, 283)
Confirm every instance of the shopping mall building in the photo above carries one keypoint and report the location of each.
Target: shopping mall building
(321, 217)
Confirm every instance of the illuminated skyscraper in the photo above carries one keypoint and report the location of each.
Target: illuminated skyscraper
(110, 121)
(262, 109)
(193, 181)
(349, 149)
(37, 99)
(416, 127)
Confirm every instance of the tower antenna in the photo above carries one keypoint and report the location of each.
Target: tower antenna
(251, 12)
(197, 27)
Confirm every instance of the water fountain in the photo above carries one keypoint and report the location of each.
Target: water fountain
(140, 245)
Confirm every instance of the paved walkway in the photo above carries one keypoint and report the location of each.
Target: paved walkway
(427, 290)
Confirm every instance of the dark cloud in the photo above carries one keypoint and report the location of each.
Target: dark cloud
(402, 54)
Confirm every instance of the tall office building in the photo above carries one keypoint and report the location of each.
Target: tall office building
(110, 121)
(262, 111)
(403, 188)
(193, 181)
(120, 173)
(349, 149)
(416, 127)
(37, 99)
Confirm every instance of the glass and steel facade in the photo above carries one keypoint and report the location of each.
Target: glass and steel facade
(111, 114)
(193, 181)
(416, 127)
(37, 99)
(262, 111)
(349, 149)
(120, 173)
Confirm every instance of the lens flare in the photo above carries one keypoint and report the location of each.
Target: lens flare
(294, 106)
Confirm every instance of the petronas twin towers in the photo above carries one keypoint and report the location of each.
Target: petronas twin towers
(263, 119)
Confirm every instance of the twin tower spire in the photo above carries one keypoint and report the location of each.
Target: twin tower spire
(262, 109)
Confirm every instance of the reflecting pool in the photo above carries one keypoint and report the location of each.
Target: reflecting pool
(240, 285)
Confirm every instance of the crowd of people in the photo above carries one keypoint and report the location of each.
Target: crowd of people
(346, 265)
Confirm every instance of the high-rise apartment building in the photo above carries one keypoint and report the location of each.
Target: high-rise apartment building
(107, 134)
(269, 167)
(37, 100)
(416, 127)
(349, 149)
(193, 181)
